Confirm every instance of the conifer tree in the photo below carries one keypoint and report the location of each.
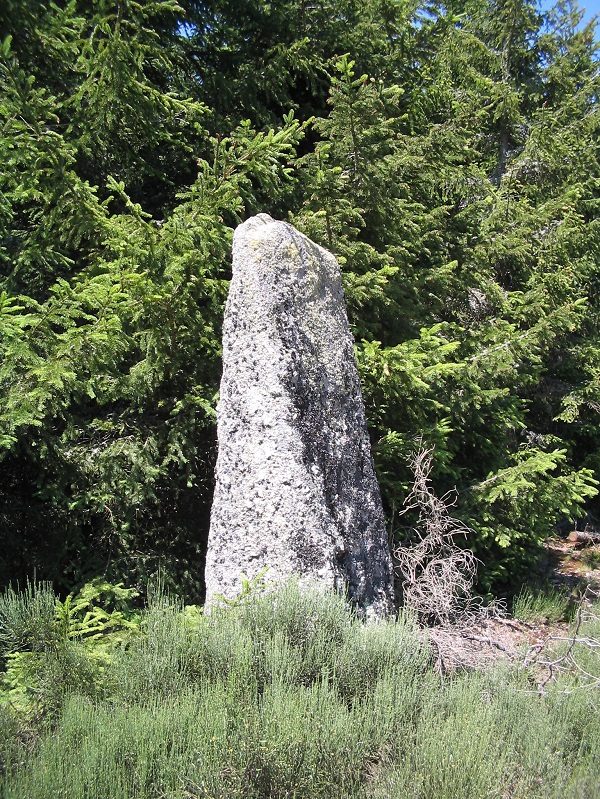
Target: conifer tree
(451, 162)
(110, 342)
(441, 230)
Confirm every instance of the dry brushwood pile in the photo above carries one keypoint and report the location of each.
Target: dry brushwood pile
(437, 578)
(570, 653)
(436, 574)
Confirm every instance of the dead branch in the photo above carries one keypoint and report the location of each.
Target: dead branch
(437, 575)
(567, 661)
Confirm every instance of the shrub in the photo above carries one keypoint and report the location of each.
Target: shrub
(289, 695)
(52, 648)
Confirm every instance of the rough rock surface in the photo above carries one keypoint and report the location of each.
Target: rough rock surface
(295, 487)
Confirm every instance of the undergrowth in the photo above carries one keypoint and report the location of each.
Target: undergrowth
(284, 695)
(546, 604)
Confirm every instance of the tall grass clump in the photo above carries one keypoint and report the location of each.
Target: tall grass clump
(291, 636)
(288, 694)
(41, 661)
(545, 604)
(51, 648)
(485, 735)
(27, 618)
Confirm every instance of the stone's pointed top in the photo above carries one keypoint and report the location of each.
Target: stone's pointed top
(264, 218)
(263, 228)
(295, 490)
(253, 223)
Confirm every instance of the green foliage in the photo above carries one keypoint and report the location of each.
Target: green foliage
(249, 586)
(100, 614)
(53, 647)
(109, 367)
(548, 605)
(27, 618)
(438, 210)
(519, 505)
(288, 694)
(447, 154)
(293, 635)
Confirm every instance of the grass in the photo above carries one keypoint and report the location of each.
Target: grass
(546, 604)
(288, 695)
(591, 557)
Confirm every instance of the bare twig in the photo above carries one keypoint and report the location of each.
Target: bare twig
(568, 661)
(437, 575)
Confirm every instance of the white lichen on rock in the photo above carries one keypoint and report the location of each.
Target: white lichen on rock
(295, 487)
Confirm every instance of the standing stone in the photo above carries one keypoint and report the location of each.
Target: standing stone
(295, 487)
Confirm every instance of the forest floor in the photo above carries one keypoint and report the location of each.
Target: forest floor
(572, 563)
(571, 571)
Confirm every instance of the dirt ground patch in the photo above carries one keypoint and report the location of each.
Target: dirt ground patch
(569, 565)
(573, 561)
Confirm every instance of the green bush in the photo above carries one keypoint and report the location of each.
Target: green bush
(485, 735)
(289, 695)
(27, 619)
(52, 648)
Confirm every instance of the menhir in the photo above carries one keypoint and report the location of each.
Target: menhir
(295, 487)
